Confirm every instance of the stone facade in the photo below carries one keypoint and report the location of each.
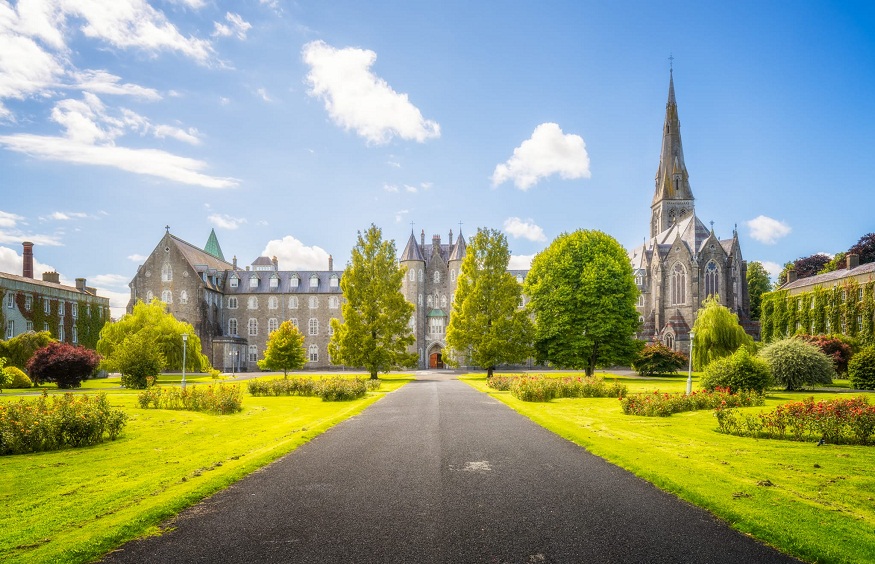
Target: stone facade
(683, 261)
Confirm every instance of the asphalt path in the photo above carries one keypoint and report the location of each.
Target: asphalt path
(438, 472)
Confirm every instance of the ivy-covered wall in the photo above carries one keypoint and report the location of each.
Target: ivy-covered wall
(848, 309)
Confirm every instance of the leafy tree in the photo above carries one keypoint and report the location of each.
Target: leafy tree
(62, 363)
(795, 363)
(738, 371)
(5, 377)
(657, 359)
(17, 378)
(757, 285)
(583, 296)
(488, 326)
(782, 278)
(138, 360)
(160, 331)
(838, 348)
(375, 333)
(717, 333)
(810, 266)
(20, 348)
(838, 262)
(285, 350)
(861, 369)
(865, 247)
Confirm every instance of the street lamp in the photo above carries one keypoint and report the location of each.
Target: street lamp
(184, 346)
(690, 370)
(233, 355)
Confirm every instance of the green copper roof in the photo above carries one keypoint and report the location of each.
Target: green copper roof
(436, 313)
(212, 247)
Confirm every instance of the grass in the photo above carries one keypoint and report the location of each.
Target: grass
(75, 505)
(815, 503)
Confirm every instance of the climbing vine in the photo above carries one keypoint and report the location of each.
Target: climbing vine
(89, 323)
(847, 309)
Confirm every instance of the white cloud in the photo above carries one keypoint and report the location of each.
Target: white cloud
(394, 164)
(356, 99)
(224, 101)
(767, 230)
(526, 229)
(520, 262)
(194, 4)
(226, 221)
(390, 188)
(292, 254)
(399, 215)
(67, 216)
(262, 93)
(547, 152)
(189, 135)
(115, 280)
(102, 82)
(9, 219)
(236, 26)
(411, 189)
(774, 269)
(137, 258)
(11, 263)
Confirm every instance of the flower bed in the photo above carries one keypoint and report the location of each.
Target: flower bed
(66, 421)
(540, 388)
(220, 399)
(838, 421)
(329, 389)
(659, 404)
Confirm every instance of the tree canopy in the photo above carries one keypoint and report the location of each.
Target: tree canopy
(488, 326)
(374, 334)
(156, 329)
(757, 285)
(66, 365)
(583, 297)
(18, 350)
(717, 333)
(285, 350)
(865, 247)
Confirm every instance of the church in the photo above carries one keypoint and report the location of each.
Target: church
(682, 261)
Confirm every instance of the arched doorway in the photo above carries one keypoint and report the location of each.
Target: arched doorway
(436, 357)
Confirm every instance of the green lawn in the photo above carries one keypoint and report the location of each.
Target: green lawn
(816, 503)
(76, 504)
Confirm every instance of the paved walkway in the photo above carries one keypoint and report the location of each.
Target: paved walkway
(438, 472)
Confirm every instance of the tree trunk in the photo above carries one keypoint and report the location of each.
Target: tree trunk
(489, 372)
(374, 375)
(285, 373)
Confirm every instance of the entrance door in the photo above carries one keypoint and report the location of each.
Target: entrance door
(435, 360)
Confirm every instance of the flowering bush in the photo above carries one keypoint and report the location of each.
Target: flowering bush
(500, 383)
(838, 421)
(659, 404)
(220, 399)
(540, 388)
(65, 421)
(330, 389)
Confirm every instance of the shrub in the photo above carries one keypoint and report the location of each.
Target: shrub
(837, 347)
(138, 360)
(66, 421)
(539, 388)
(5, 377)
(340, 389)
(658, 404)
(795, 364)
(17, 378)
(658, 359)
(536, 388)
(220, 399)
(330, 389)
(64, 364)
(739, 372)
(861, 369)
(500, 383)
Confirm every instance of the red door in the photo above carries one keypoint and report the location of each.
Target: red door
(435, 360)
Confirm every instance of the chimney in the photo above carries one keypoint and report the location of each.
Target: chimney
(53, 277)
(791, 275)
(853, 260)
(275, 263)
(422, 238)
(436, 240)
(27, 259)
(330, 262)
(80, 284)
(234, 264)
(450, 242)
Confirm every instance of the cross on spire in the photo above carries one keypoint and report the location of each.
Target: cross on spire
(460, 227)
(670, 63)
(167, 227)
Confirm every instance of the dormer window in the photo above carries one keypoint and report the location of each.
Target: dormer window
(314, 281)
(293, 281)
(274, 282)
(234, 281)
(253, 282)
(333, 281)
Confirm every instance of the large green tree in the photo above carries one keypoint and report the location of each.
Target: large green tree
(20, 348)
(160, 331)
(717, 334)
(583, 296)
(285, 350)
(488, 326)
(374, 334)
(757, 285)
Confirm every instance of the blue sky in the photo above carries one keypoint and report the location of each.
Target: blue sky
(289, 126)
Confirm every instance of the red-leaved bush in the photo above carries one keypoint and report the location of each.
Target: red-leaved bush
(65, 365)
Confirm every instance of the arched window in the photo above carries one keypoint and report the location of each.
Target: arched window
(232, 326)
(678, 285)
(273, 303)
(453, 275)
(420, 275)
(313, 353)
(668, 340)
(313, 328)
(444, 301)
(293, 302)
(272, 325)
(294, 321)
(418, 299)
(149, 297)
(166, 272)
(253, 327)
(252, 302)
(253, 353)
(314, 302)
(333, 302)
(437, 277)
(412, 275)
(712, 286)
(232, 303)
(429, 301)
(183, 297)
(167, 297)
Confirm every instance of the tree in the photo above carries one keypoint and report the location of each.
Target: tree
(488, 325)
(717, 333)
(138, 360)
(838, 348)
(739, 371)
(795, 363)
(861, 369)
(838, 262)
(20, 348)
(657, 360)
(375, 333)
(160, 331)
(583, 297)
(865, 248)
(5, 377)
(757, 285)
(285, 350)
(810, 266)
(62, 363)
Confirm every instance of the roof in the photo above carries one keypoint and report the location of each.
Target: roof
(830, 277)
(212, 247)
(50, 285)
(284, 282)
(262, 261)
(411, 251)
(459, 249)
(199, 257)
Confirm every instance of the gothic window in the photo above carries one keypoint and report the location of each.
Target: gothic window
(183, 298)
(678, 285)
(166, 272)
(273, 303)
(444, 302)
(253, 353)
(232, 303)
(412, 275)
(333, 302)
(253, 327)
(314, 302)
(429, 301)
(253, 281)
(712, 285)
(419, 300)
(640, 300)
(420, 275)
(294, 321)
(313, 353)
(331, 327)
(436, 325)
(313, 327)
(453, 275)
(314, 281)
(272, 325)
(437, 277)
(232, 326)
(668, 340)
(167, 297)
(252, 303)
(293, 302)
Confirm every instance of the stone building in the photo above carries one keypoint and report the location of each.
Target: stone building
(72, 314)
(683, 261)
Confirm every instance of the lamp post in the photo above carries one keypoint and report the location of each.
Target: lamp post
(184, 346)
(690, 369)
(233, 355)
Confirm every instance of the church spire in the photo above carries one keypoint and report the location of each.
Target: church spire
(212, 247)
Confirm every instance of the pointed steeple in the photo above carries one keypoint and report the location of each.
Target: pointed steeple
(412, 251)
(459, 249)
(673, 197)
(212, 247)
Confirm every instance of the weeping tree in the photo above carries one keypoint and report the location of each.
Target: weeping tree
(718, 334)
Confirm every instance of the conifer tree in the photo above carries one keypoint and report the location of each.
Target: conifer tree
(757, 285)
(717, 333)
(285, 350)
(488, 327)
(375, 332)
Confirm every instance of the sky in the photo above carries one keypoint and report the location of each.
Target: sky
(290, 126)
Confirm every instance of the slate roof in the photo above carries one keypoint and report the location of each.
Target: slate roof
(831, 277)
(52, 285)
(198, 257)
(411, 251)
(284, 285)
